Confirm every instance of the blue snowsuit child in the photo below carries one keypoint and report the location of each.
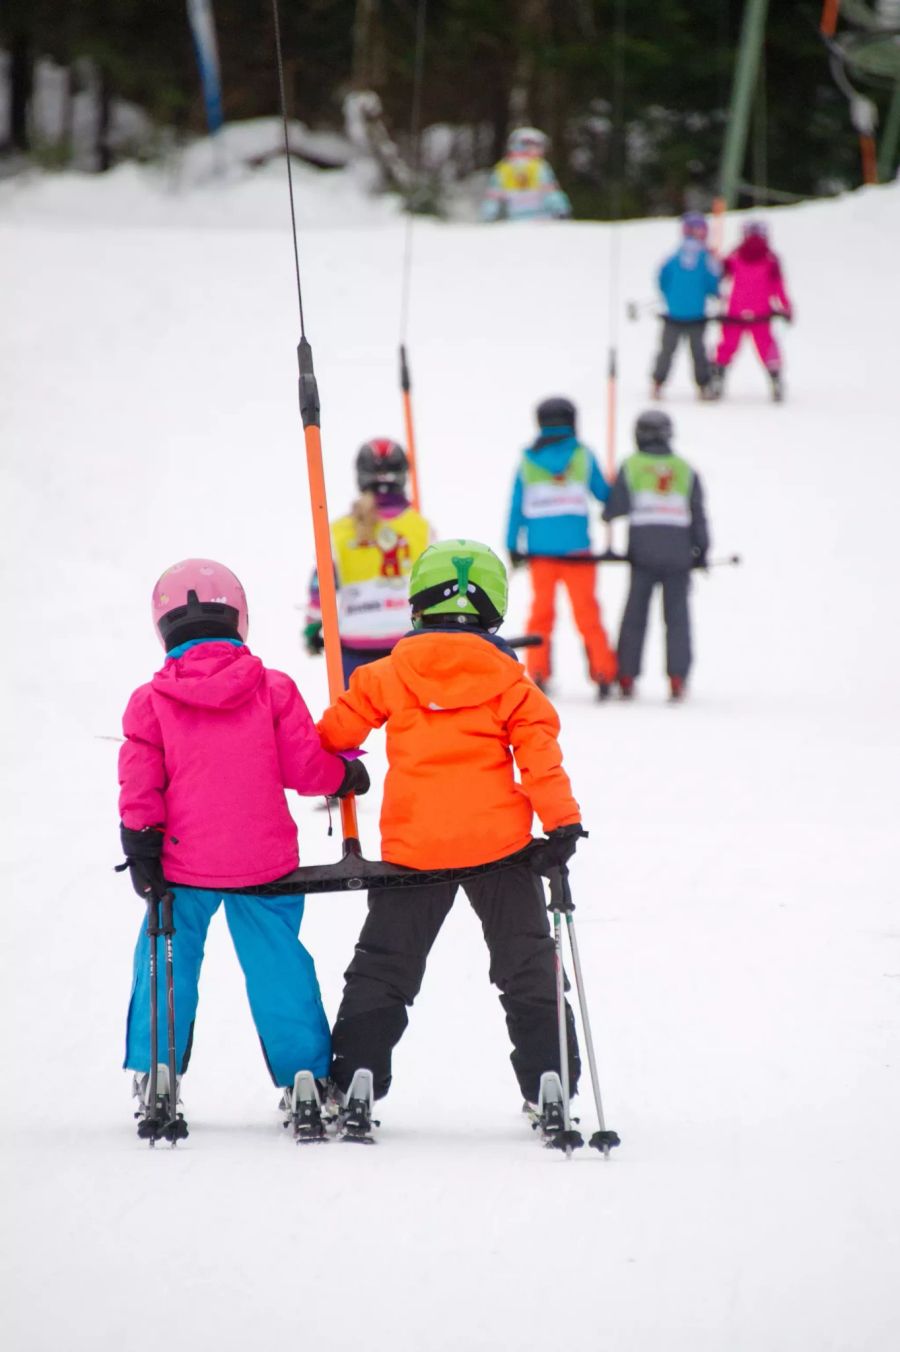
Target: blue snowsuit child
(686, 280)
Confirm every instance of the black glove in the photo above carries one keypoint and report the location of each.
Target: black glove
(356, 779)
(558, 848)
(700, 560)
(517, 559)
(142, 859)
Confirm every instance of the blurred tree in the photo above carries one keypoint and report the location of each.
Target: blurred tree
(491, 64)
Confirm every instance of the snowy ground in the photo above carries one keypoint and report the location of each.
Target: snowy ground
(737, 899)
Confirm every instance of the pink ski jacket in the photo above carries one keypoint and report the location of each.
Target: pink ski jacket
(210, 746)
(757, 284)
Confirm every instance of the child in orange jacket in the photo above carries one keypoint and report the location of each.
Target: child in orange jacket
(458, 709)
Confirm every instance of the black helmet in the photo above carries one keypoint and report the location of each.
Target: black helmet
(556, 412)
(653, 430)
(381, 465)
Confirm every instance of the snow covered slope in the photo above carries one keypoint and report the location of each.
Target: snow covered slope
(737, 898)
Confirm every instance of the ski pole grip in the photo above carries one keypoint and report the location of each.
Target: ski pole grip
(555, 876)
(309, 390)
(560, 892)
(168, 913)
(152, 916)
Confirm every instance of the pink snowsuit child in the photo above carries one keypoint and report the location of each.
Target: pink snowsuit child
(211, 744)
(757, 293)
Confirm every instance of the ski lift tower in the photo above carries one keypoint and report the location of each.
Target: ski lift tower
(867, 48)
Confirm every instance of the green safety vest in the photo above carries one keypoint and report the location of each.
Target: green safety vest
(660, 488)
(548, 494)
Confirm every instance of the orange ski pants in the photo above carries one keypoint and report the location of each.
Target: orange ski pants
(580, 581)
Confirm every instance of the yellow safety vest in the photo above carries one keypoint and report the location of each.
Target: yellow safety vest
(520, 175)
(373, 601)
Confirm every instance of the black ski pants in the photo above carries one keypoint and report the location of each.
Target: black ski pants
(673, 331)
(389, 963)
(675, 587)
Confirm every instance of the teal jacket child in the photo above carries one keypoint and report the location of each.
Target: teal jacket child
(552, 492)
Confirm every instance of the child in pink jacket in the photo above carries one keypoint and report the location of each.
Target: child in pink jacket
(757, 293)
(211, 744)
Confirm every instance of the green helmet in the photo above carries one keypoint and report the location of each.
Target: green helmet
(459, 579)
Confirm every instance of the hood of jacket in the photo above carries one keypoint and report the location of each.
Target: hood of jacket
(554, 449)
(210, 676)
(453, 670)
(691, 254)
(753, 249)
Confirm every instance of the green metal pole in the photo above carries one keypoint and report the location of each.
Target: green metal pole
(753, 31)
(890, 140)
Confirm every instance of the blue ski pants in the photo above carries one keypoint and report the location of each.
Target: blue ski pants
(281, 982)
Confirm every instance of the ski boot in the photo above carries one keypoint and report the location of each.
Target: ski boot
(777, 387)
(603, 691)
(548, 1118)
(626, 687)
(160, 1120)
(355, 1120)
(302, 1107)
(706, 393)
(656, 390)
(677, 689)
(716, 385)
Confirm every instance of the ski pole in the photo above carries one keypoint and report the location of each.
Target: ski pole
(717, 230)
(749, 319)
(309, 413)
(618, 165)
(148, 1127)
(634, 309)
(406, 289)
(609, 556)
(176, 1127)
(406, 392)
(611, 398)
(525, 641)
(604, 1139)
(728, 561)
(558, 903)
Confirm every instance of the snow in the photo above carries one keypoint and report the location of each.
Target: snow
(736, 900)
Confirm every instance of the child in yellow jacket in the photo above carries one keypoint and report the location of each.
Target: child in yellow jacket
(374, 548)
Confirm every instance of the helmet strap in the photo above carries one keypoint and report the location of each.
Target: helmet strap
(488, 614)
(198, 619)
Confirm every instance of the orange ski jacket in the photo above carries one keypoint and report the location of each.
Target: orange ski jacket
(457, 709)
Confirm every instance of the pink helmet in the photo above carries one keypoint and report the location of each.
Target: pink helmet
(199, 598)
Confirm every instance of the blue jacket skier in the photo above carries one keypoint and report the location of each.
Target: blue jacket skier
(549, 526)
(687, 280)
